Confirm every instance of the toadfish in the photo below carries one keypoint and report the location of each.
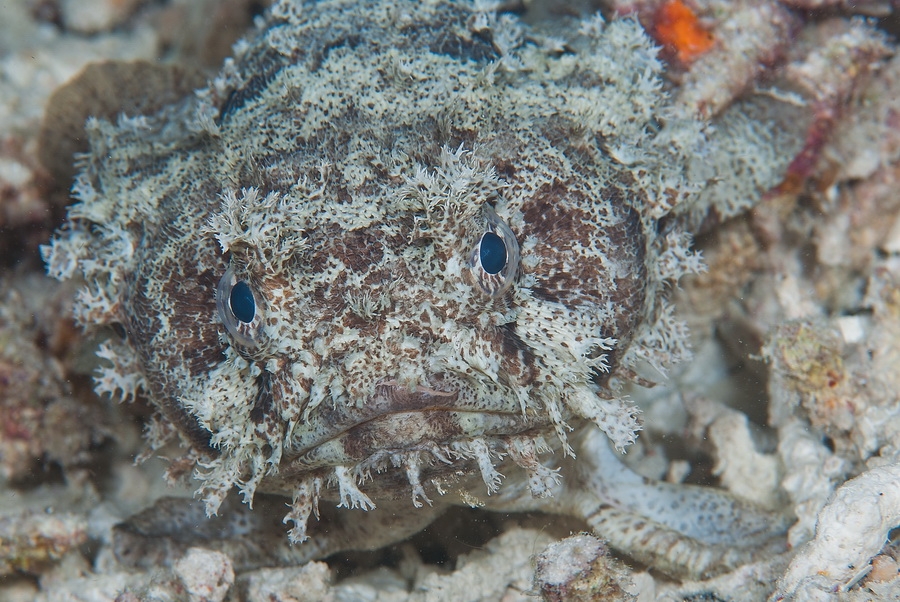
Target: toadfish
(404, 255)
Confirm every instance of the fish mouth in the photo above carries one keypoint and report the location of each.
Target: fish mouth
(398, 419)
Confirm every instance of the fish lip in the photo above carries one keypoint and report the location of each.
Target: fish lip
(399, 392)
(329, 421)
(396, 420)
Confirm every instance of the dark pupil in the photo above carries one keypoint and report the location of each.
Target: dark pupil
(242, 304)
(492, 253)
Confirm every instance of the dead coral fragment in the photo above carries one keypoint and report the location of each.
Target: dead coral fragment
(31, 540)
(752, 37)
(207, 575)
(851, 529)
(809, 355)
(41, 417)
(580, 568)
(838, 57)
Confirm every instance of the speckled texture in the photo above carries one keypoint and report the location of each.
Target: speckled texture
(344, 173)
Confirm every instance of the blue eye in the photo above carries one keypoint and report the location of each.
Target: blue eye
(243, 306)
(238, 309)
(492, 253)
(494, 261)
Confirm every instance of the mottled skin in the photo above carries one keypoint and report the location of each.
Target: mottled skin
(346, 169)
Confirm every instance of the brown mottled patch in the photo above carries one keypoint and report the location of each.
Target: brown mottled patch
(263, 402)
(519, 357)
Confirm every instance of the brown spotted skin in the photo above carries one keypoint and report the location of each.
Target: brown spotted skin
(346, 169)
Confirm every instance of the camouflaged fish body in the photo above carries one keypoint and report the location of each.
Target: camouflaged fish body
(386, 249)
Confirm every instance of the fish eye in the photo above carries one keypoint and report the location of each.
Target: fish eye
(237, 308)
(492, 253)
(495, 259)
(241, 301)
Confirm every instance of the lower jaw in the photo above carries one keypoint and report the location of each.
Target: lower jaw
(433, 430)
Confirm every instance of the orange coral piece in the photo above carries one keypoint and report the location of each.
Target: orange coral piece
(677, 28)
